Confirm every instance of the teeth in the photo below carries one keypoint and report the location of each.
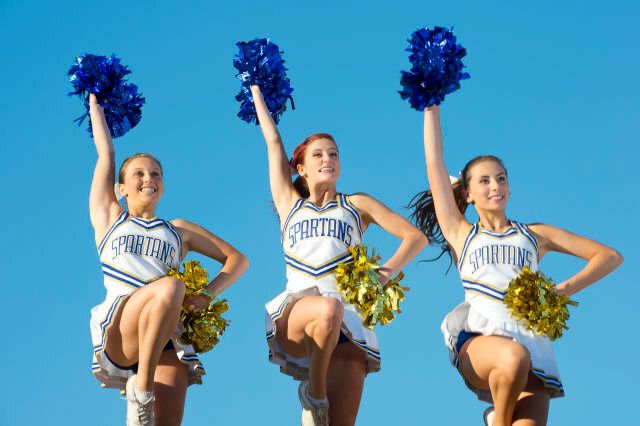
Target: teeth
(148, 190)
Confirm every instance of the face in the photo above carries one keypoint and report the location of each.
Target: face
(321, 162)
(142, 182)
(488, 186)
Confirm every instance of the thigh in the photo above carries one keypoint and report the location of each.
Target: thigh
(290, 327)
(532, 407)
(480, 355)
(122, 335)
(170, 387)
(345, 382)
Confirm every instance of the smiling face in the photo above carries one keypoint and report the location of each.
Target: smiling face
(321, 163)
(141, 182)
(488, 186)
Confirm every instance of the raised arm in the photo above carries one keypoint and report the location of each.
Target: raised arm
(413, 240)
(282, 190)
(451, 221)
(103, 206)
(198, 239)
(601, 260)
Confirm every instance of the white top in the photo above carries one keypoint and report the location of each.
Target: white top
(136, 251)
(490, 260)
(316, 239)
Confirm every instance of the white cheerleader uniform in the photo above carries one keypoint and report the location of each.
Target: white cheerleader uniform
(133, 253)
(315, 240)
(488, 262)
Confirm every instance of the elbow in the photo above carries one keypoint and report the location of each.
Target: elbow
(615, 258)
(242, 262)
(419, 239)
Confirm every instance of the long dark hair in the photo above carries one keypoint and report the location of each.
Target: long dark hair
(424, 212)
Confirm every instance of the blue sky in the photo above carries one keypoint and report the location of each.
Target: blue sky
(553, 91)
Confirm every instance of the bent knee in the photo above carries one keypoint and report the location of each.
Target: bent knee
(514, 360)
(330, 311)
(169, 291)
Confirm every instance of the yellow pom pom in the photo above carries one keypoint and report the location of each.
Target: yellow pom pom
(533, 299)
(359, 283)
(202, 328)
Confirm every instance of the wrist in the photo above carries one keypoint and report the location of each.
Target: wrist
(208, 293)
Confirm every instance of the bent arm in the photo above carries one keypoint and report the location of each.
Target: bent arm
(413, 240)
(198, 239)
(103, 206)
(451, 221)
(282, 190)
(601, 260)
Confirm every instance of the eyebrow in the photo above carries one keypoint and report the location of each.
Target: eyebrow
(486, 176)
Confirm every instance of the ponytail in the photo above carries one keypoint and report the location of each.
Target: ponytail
(424, 216)
(424, 211)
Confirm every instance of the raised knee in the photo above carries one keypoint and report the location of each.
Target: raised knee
(514, 362)
(170, 292)
(329, 313)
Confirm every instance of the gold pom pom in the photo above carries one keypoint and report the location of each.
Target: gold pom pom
(360, 285)
(533, 299)
(203, 327)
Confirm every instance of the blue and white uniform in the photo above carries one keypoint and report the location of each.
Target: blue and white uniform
(488, 262)
(315, 239)
(133, 253)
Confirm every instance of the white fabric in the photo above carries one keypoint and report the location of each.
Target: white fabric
(315, 240)
(134, 252)
(488, 262)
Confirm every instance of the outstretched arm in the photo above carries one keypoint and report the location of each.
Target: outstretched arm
(451, 221)
(413, 240)
(103, 206)
(282, 190)
(198, 239)
(601, 260)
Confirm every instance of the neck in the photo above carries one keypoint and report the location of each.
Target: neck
(321, 194)
(494, 221)
(144, 212)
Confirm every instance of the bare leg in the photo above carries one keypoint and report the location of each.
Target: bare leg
(170, 386)
(499, 365)
(532, 407)
(345, 382)
(310, 327)
(144, 325)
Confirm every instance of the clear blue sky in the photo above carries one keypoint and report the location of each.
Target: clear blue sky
(553, 91)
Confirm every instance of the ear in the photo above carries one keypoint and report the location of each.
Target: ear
(121, 189)
(467, 197)
(301, 170)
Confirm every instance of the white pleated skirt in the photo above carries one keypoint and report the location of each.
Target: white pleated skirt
(469, 318)
(352, 327)
(109, 374)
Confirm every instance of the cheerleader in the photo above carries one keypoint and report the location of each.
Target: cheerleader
(313, 335)
(135, 330)
(499, 359)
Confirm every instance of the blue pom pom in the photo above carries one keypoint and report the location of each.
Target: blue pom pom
(259, 62)
(105, 77)
(436, 67)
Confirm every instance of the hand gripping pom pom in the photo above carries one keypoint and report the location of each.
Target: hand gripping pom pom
(202, 328)
(105, 77)
(436, 67)
(259, 62)
(359, 283)
(532, 298)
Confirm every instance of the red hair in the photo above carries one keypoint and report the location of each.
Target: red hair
(298, 158)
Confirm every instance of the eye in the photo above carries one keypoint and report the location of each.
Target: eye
(317, 154)
(334, 154)
(502, 179)
(138, 173)
(484, 180)
(155, 174)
